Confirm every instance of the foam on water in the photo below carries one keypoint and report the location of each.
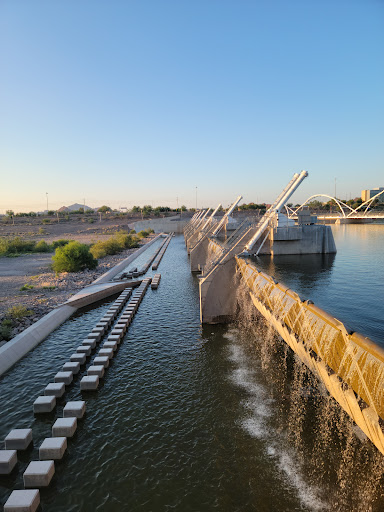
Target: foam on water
(258, 410)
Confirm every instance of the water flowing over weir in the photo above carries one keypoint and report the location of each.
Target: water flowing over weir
(350, 366)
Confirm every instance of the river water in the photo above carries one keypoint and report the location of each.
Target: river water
(215, 418)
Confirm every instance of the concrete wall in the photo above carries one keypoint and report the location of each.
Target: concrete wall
(305, 239)
(165, 225)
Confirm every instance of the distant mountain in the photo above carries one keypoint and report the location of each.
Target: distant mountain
(74, 207)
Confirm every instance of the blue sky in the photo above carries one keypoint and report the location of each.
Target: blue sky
(140, 102)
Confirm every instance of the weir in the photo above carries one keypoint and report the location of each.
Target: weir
(350, 365)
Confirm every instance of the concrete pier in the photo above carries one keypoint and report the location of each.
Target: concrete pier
(44, 404)
(39, 473)
(53, 448)
(74, 409)
(89, 383)
(56, 389)
(8, 460)
(18, 439)
(64, 427)
(23, 501)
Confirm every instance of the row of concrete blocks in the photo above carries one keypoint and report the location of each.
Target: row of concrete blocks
(155, 281)
(46, 403)
(161, 253)
(40, 473)
(96, 371)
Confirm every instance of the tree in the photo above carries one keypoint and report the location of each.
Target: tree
(136, 209)
(104, 209)
(10, 213)
(183, 208)
(73, 257)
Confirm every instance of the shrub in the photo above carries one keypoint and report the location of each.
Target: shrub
(18, 312)
(42, 231)
(46, 221)
(132, 232)
(60, 243)
(117, 243)
(73, 257)
(142, 234)
(26, 287)
(15, 246)
(5, 333)
(42, 246)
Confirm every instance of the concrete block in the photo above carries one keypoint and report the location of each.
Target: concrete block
(72, 366)
(89, 343)
(89, 383)
(110, 344)
(94, 336)
(18, 439)
(78, 358)
(39, 473)
(56, 389)
(96, 370)
(114, 337)
(44, 403)
(23, 501)
(98, 330)
(84, 349)
(123, 326)
(8, 460)
(101, 360)
(64, 427)
(117, 332)
(66, 377)
(106, 352)
(75, 409)
(53, 448)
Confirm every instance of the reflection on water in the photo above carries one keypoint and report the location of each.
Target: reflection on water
(349, 285)
(306, 272)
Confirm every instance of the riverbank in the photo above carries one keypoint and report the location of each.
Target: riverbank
(29, 282)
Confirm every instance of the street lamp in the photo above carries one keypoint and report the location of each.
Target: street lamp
(47, 200)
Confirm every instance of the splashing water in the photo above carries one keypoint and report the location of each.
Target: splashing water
(311, 440)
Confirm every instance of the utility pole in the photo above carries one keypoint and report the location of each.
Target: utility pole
(196, 198)
(84, 206)
(47, 200)
(335, 189)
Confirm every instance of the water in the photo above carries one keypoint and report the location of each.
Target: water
(348, 285)
(193, 419)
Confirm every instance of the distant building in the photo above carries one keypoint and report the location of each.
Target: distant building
(366, 195)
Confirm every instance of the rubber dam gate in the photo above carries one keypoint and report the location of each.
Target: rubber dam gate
(350, 365)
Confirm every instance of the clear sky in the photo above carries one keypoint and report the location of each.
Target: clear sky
(140, 102)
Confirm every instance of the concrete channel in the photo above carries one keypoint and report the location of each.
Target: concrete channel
(95, 353)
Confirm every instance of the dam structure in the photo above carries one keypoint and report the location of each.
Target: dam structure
(348, 364)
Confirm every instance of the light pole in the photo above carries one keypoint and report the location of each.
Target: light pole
(196, 198)
(47, 201)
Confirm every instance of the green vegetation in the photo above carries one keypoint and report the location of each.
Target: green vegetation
(26, 287)
(50, 288)
(73, 257)
(5, 332)
(60, 243)
(117, 243)
(18, 313)
(12, 316)
(104, 209)
(12, 247)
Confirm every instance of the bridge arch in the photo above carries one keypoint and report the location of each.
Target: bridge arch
(337, 201)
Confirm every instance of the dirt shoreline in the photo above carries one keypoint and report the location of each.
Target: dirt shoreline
(46, 290)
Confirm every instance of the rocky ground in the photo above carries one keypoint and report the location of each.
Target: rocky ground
(29, 281)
